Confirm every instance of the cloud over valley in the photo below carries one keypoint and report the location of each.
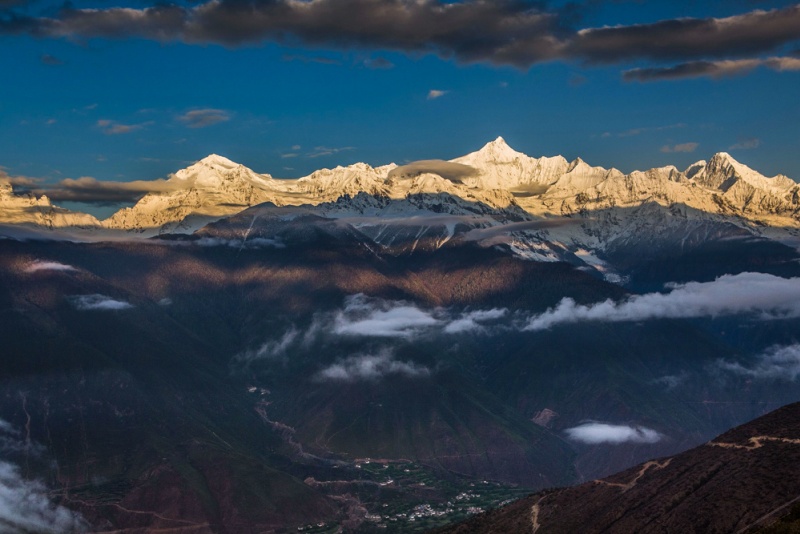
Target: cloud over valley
(593, 433)
(763, 295)
(370, 367)
(97, 302)
(25, 505)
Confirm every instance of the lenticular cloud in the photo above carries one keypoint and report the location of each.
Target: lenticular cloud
(765, 295)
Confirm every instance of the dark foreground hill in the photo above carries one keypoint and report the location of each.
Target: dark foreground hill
(745, 480)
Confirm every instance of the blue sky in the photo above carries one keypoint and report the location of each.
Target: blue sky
(290, 86)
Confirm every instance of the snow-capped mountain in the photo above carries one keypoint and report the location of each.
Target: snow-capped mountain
(501, 167)
(206, 191)
(605, 209)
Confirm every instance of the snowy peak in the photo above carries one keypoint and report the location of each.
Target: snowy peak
(215, 171)
(215, 160)
(498, 150)
(722, 172)
(692, 170)
(213, 187)
(501, 167)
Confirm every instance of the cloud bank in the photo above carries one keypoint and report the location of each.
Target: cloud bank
(379, 320)
(500, 32)
(98, 302)
(764, 295)
(597, 433)
(370, 367)
(777, 363)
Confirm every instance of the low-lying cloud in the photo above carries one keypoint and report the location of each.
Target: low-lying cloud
(593, 433)
(378, 320)
(98, 302)
(471, 321)
(370, 367)
(776, 363)
(277, 349)
(41, 265)
(26, 507)
(24, 504)
(370, 317)
(375, 318)
(763, 295)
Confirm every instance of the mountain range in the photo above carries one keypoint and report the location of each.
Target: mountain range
(396, 347)
(495, 175)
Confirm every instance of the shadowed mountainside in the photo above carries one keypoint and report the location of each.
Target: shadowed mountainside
(741, 481)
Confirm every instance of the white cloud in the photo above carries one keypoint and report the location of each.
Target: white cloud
(469, 322)
(754, 293)
(373, 318)
(433, 94)
(40, 265)
(6, 427)
(369, 367)
(597, 433)
(671, 381)
(272, 349)
(368, 317)
(782, 363)
(24, 504)
(98, 302)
